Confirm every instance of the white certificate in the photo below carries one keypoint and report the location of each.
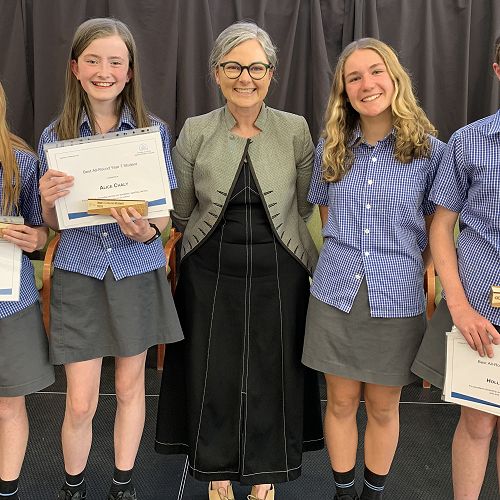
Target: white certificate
(127, 165)
(471, 380)
(10, 265)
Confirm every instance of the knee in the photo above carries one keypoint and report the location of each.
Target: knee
(382, 413)
(477, 424)
(128, 390)
(80, 410)
(342, 408)
(11, 408)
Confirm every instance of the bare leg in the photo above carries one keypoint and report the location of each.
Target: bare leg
(341, 430)
(13, 436)
(382, 428)
(131, 408)
(471, 445)
(81, 402)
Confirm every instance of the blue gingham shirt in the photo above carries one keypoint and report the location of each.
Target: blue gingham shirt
(375, 228)
(468, 182)
(30, 208)
(93, 250)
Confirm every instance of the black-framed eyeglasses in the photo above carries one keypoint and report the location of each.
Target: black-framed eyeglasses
(256, 70)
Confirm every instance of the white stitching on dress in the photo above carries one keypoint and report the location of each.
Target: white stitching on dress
(209, 340)
(282, 355)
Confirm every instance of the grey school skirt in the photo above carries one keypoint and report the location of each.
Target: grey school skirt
(430, 362)
(92, 318)
(356, 346)
(24, 354)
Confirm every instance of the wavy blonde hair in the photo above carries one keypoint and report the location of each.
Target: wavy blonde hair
(410, 123)
(75, 98)
(11, 184)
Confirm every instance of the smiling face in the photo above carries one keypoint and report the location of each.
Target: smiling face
(244, 94)
(103, 69)
(368, 84)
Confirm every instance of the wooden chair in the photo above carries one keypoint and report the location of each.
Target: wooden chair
(430, 294)
(171, 269)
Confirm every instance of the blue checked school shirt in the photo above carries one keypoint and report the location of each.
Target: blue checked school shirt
(30, 208)
(375, 228)
(93, 250)
(468, 182)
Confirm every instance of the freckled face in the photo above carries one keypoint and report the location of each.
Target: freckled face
(103, 68)
(244, 93)
(368, 84)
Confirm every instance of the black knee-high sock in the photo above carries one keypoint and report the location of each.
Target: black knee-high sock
(8, 489)
(374, 485)
(75, 483)
(122, 480)
(344, 482)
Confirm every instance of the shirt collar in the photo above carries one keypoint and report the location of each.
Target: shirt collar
(357, 136)
(495, 124)
(126, 119)
(259, 123)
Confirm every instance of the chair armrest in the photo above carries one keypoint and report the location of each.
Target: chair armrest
(171, 256)
(46, 281)
(430, 290)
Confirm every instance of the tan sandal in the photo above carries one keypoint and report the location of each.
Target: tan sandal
(269, 494)
(220, 493)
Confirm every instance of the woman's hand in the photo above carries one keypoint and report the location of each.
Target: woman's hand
(26, 238)
(131, 224)
(54, 185)
(479, 333)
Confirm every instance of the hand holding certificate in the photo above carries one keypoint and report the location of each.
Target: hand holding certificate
(471, 380)
(10, 264)
(117, 167)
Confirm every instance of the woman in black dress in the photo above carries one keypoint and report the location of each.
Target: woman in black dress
(234, 395)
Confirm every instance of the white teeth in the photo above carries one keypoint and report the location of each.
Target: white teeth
(103, 84)
(371, 98)
(244, 91)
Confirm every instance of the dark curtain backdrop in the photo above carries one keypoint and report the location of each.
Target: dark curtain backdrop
(445, 44)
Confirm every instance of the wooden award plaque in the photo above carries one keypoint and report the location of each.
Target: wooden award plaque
(104, 206)
(495, 296)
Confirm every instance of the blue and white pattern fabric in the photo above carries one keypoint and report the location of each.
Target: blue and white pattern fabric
(30, 208)
(375, 228)
(468, 182)
(93, 250)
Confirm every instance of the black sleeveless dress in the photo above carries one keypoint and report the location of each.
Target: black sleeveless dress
(235, 396)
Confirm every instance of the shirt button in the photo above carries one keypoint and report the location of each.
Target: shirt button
(104, 234)
(370, 182)
(374, 159)
(367, 231)
(109, 249)
(367, 253)
(368, 206)
(357, 276)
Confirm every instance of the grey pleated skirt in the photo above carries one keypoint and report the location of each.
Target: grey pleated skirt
(356, 346)
(92, 318)
(24, 354)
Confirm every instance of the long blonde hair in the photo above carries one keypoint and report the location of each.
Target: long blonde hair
(76, 99)
(410, 123)
(11, 184)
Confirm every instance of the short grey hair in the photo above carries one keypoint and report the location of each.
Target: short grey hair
(238, 33)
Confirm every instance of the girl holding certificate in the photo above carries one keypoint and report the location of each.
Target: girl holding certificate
(373, 171)
(24, 359)
(467, 187)
(110, 292)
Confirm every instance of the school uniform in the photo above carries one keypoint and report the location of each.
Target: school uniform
(24, 359)
(467, 182)
(366, 312)
(110, 294)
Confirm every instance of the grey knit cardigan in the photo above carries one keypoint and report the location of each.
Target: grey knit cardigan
(207, 157)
